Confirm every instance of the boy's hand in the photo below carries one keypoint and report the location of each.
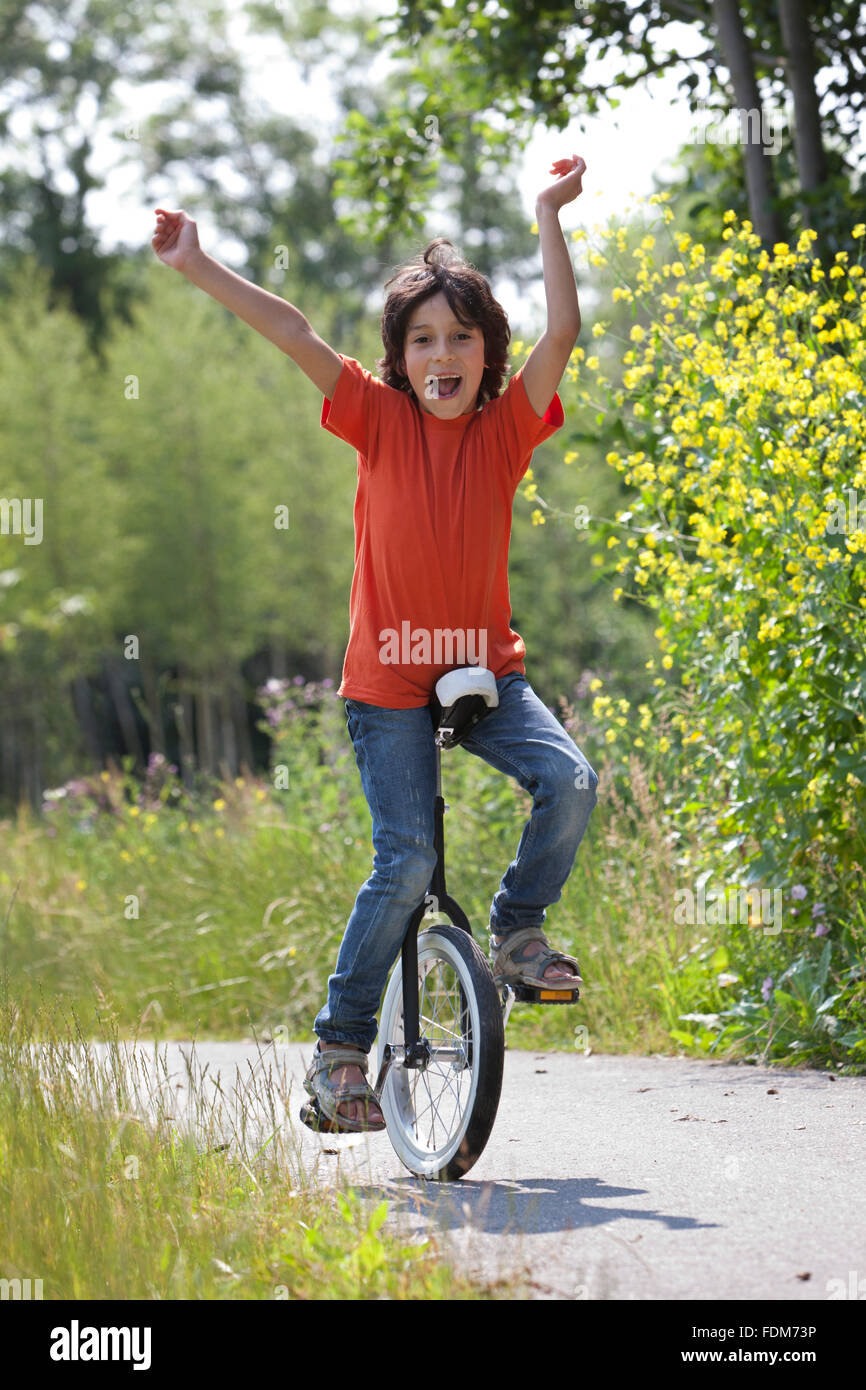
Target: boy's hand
(569, 174)
(175, 239)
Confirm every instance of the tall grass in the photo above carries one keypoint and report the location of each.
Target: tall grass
(106, 1195)
(220, 917)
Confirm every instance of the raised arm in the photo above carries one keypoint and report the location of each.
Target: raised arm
(546, 363)
(176, 244)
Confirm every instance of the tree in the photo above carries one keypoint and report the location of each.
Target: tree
(529, 62)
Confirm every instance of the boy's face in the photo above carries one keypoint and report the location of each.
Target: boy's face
(443, 359)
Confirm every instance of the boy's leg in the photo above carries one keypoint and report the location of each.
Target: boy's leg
(522, 738)
(395, 755)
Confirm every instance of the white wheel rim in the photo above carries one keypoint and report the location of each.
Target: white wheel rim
(427, 1111)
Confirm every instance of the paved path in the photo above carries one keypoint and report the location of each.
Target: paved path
(605, 1176)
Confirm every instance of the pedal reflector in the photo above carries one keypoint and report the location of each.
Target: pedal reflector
(555, 993)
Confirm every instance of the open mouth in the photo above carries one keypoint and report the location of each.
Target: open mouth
(447, 386)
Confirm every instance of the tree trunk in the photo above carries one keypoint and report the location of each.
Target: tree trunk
(245, 747)
(125, 711)
(150, 682)
(82, 703)
(808, 143)
(737, 58)
(183, 716)
(228, 743)
(205, 726)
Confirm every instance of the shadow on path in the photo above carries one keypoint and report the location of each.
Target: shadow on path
(531, 1206)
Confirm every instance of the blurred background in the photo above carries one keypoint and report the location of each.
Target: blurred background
(317, 146)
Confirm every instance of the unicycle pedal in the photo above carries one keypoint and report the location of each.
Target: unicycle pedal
(543, 994)
(312, 1117)
(512, 994)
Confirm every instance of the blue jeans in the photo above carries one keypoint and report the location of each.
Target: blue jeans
(396, 758)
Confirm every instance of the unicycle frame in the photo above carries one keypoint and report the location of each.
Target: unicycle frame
(415, 1051)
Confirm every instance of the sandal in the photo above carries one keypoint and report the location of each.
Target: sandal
(328, 1095)
(511, 965)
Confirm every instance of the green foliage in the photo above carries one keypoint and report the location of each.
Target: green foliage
(178, 916)
(741, 389)
(105, 1196)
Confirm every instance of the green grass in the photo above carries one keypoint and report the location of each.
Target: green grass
(221, 917)
(100, 1201)
(156, 915)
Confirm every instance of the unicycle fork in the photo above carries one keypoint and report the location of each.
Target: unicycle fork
(441, 1032)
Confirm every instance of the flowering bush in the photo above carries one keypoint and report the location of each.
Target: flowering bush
(744, 390)
(113, 793)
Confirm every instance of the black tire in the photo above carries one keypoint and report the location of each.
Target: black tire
(439, 1118)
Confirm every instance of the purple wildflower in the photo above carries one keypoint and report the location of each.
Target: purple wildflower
(798, 891)
(767, 989)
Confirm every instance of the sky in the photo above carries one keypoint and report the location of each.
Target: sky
(623, 149)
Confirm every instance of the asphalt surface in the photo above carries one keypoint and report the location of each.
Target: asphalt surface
(606, 1177)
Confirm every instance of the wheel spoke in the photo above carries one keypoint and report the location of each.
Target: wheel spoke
(429, 1108)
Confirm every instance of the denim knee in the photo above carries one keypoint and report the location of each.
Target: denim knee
(408, 869)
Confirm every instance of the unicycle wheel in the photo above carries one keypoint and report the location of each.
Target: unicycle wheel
(440, 1115)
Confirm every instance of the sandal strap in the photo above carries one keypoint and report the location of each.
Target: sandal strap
(531, 970)
(522, 937)
(329, 1094)
(342, 1056)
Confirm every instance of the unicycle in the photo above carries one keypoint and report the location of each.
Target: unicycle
(441, 1037)
(441, 1042)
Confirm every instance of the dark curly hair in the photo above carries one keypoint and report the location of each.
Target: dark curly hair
(441, 269)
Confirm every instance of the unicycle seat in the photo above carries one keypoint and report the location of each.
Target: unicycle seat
(463, 697)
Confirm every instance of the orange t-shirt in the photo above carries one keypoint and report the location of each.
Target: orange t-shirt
(432, 529)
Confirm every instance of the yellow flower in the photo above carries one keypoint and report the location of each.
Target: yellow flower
(530, 491)
(538, 518)
(730, 216)
(104, 777)
(219, 832)
(81, 885)
(637, 333)
(134, 811)
(595, 683)
(859, 230)
(219, 804)
(678, 268)
(569, 457)
(667, 662)
(664, 744)
(610, 736)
